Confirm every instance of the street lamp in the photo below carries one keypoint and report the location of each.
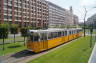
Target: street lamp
(86, 11)
(91, 32)
(85, 20)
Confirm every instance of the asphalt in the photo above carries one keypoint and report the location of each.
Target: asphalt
(1, 58)
(93, 56)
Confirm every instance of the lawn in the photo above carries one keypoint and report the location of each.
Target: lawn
(12, 48)
(77, 51)
(19, 38)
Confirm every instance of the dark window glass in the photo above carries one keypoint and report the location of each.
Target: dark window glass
(34, 37)
(43, 36)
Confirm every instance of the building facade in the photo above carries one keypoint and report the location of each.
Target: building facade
(37, 13)
(69, 17)
(76, 20)
(24, 12)
(91, 21)
(59, 16)
(56, 15)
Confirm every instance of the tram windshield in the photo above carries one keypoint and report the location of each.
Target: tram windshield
(34, 36)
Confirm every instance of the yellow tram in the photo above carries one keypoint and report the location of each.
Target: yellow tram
(40, 40)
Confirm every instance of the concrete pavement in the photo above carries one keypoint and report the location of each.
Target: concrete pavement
(93, 56)
(1, 58)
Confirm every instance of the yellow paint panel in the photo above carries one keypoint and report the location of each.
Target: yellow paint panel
(56, 41)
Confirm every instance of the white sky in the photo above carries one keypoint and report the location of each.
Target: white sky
(78, 6)
(88, 2)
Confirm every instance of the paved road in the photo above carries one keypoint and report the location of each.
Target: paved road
(1, 59)
(93, 56)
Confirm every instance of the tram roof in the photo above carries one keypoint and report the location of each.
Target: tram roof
(54, 30)
(48, 30)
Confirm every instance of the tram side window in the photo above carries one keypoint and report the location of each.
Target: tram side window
(55, 34)
(73, 32)
(77, 31)
(80, 30)
(69, 32)
(65, 33)
(62, 33)
(50, 36)
(59, 34)
(43, 36)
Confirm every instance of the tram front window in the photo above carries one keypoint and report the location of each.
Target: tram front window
(34, 37)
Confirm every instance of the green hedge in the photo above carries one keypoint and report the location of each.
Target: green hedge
(4, 29)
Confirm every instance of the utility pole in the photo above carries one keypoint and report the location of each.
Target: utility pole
(91, 32)
(86, 11)
(85, 20)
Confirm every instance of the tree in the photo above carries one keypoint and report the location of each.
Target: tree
(4, 32)
(24, 33)
(14, 30)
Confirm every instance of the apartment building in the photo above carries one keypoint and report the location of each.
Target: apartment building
(24, 12)
(37, 13)
(70, 17)
(91, 21)
(59, 16)
(76, 20)
(56, 15)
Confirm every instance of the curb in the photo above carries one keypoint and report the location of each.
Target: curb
(92, 58)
